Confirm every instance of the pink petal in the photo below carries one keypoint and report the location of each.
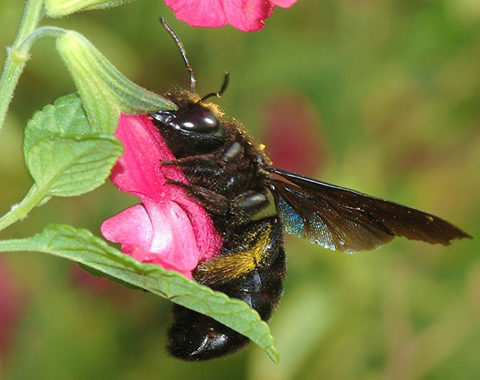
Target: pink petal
(206, 13)
(247, 15)
(173, 237)
(283, 3)
(208, 240)
(139, 252)
(131, 226)
(139, 168)
(157, 233)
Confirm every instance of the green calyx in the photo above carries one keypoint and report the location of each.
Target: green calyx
(59, 8)
(104, 90)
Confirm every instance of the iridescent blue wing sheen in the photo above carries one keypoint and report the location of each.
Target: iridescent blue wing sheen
(346, 220)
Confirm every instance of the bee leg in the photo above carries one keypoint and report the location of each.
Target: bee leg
(208, 161)
(233, 152)
(201, 169)
(248, 204)
(189, 161)
(212, 201)
(242, 206)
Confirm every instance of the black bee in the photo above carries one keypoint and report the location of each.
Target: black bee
(231, 176)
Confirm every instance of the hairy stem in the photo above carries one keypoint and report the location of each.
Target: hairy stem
(19, 211)
(17, 56)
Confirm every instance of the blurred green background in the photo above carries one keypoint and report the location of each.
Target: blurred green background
(393, 90)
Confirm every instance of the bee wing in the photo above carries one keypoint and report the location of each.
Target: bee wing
(346, 220)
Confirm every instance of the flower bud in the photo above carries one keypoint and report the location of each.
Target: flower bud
(59, 8)
(104, 90)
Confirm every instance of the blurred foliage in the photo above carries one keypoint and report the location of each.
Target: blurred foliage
(396, 85)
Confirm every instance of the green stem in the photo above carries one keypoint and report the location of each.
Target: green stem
(20, 210)
(15, 245)
(44, 31)
(17, 58)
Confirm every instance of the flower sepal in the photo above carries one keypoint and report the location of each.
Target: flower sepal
(60, 8)
(104, 90)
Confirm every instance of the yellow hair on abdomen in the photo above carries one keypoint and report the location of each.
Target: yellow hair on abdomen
(223, 268)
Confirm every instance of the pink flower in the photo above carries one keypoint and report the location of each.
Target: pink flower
(168, 228)
(246, 15)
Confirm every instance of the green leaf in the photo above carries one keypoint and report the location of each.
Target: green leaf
(65, 117)
(81, 246)
(62, 153)
(66, 167)
(64, 156)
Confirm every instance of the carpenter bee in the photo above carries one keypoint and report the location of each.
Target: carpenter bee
(231, 176)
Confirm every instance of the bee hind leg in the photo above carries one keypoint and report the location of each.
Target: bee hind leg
(245, 205)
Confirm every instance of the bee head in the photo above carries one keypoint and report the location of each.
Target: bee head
(194, 126)
(193, 116)
(193, 119)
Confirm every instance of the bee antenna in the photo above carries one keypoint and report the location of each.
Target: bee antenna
(226, 80)
(181, 49)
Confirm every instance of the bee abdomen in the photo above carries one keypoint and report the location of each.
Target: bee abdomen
(253, 272)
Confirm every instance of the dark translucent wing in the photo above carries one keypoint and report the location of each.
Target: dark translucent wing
(341, 219)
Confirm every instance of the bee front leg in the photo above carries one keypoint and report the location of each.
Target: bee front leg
(189, 161)
(201, 170)
(212, 201)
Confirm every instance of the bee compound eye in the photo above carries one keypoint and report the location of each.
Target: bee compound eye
(197, 119)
